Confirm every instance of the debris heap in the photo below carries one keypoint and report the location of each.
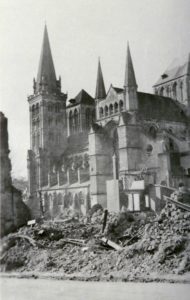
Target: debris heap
(131, 246)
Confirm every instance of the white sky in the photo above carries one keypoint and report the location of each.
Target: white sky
(81, 30)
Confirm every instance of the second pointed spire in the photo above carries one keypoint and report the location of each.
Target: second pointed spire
(46, 72)
(100, 87)
(130, 80)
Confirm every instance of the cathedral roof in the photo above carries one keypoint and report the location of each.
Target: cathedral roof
(118, 90)
(46, 70)
(100, 87)
(174, 73)
(130, 80)
(82, 97)
(160, 108)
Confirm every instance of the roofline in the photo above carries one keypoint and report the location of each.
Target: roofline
(170, 80)
(72, 105)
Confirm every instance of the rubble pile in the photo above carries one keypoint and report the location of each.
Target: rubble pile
(131, 246)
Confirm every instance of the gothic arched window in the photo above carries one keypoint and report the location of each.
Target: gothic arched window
(71, 122)
(167, 91)
(120, 105)
(106, 111)
(116, 107)
(111, 109)
(76, 121)
(181, 90)
(170, 91)
(101, 112)
(162, 91)
(174, 89)
(171, 145)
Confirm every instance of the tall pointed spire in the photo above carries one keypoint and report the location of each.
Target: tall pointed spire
(130, 80)
(46, 77)
(100, 87)
(130, 85)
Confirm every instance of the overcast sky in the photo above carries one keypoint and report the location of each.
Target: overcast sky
(81, 30)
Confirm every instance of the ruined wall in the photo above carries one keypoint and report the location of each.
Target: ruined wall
(13, 212)
(60, 202)
(101, 167)
(165, 151)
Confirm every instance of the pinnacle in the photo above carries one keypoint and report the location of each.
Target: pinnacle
(130, 80)
(100, 87)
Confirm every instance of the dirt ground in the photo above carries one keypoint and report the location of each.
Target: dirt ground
(150, 245)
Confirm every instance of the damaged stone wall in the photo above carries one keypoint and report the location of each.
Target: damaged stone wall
(13, 212)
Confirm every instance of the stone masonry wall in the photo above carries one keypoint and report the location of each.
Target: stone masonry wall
(13, 212)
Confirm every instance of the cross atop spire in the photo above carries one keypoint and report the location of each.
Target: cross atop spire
(46, 77)
(130, 80)
(100, 87)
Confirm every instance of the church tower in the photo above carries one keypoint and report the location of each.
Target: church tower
(130, 85)
(48, 130)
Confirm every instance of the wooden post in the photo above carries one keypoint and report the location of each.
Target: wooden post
(105, 220)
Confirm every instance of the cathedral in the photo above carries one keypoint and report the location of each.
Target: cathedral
(111, 149)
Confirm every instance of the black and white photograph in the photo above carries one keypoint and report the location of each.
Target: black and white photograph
(94, 149)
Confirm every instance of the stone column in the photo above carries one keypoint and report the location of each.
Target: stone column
(49, 179)
(68, 176)
(114, 158)
(79, 179)
(100, 167)
(58, 178)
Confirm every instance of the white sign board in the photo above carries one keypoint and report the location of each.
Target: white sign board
(31, 222)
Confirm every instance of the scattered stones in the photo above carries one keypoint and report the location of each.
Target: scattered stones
(149, 243)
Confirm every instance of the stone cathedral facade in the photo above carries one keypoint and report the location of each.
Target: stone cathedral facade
(89, 150)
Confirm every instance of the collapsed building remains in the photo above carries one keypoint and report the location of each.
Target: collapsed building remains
(13, 212)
